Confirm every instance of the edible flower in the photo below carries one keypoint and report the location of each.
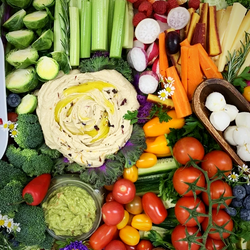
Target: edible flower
(3, 220)
(233, 177)
(76, 245)
(5, 126)
(168, 88)
(9, 224)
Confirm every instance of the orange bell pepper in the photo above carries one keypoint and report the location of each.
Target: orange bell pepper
(154, 127)
(141, 222)
(146, 160)
(158, 146)
(131, 173)
(129, 235)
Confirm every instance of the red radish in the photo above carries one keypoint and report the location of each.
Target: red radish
(148, 82)
(248, 83)
(139, 44)
(147, 30)
(137, 59)
(161, 18)
(178, 17)
(152, 53)
(156, 67)
(163, 26)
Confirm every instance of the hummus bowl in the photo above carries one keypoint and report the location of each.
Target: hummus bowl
(72, 208)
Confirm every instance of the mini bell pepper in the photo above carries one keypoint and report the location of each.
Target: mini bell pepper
(158, 146)
(131, 173)
(146, 160)
(141, 222)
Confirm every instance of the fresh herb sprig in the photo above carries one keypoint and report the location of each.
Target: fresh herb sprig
(65, 29)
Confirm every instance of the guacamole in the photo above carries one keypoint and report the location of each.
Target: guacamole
(70, 211)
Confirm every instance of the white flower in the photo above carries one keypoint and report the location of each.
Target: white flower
(243, 168)
(233, 177)
(10, 225)
(163, 94)
(169, 80)
(13, 133)
(5, 126)
(3, 220)
(16, 227)
(169, 88)
(12, 125)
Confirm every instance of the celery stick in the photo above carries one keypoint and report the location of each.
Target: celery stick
(99, 24)
(74, 36)
(110, 19)
(58, 27)
(117, 29)
(128, 27)
(85, 45)
(73, 3)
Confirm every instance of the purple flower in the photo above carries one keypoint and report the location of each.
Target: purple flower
(77, 245)
(65, 160)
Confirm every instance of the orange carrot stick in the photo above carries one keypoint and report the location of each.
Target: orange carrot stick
(163, 58)
(185, 42)
(184, 66)
(180, 99)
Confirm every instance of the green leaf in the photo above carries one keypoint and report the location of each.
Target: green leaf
(132, 116)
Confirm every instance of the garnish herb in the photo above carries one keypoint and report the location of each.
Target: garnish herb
(245, 3)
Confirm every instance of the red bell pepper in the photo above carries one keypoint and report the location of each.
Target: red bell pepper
(35, 191)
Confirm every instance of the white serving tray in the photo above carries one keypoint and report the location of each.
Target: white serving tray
(3, 109)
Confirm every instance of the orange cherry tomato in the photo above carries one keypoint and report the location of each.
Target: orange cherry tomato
(129, 235)
(246, 93)
(131, 173)
(146, 160)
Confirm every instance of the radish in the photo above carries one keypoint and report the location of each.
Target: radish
(215, 101)
(148, 82)
(147, 30)
(163, 26)
(139, 44)
(178, 18)
(137, 59)
(156, 66)
(152, 53)
(220, 120)
(161, 18)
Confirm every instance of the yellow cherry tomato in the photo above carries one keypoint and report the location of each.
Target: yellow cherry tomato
(131, 173)
(129, 235)
(146, 160)
(130, 219)
(141, 222)
(124, 221)
(246, 93)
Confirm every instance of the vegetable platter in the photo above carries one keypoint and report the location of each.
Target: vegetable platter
(143, 102)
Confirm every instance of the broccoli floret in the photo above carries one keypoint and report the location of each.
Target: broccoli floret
(37, 165)
(52, 153)
(32, 224)
(29, 132)
(8, 173)
(47, 243)
(10, 195)
(18, 156)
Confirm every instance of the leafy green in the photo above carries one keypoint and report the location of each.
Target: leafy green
(245, 3)
(240, 81)
(63, 61)
(132, 116)
(159, 240)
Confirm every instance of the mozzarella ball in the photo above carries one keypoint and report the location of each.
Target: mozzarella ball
(215, 101)
(243, 119)
(228, 135)
(244, 152)
(231, 110)
(220, 120)
(241, 135)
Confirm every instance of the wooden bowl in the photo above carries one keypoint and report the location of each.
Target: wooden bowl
(232, 96)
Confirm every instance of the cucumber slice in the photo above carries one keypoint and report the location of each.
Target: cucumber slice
(27, 105)
(47, 68)
(36, 20)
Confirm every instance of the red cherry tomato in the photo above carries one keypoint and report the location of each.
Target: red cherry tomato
(182, 214)
(12, 116)
(187, 174)
(110, 197)
(179, 233)
(212, 244)
(102, 236)
(219, 218)
(124, 191)
(154, 207)
(112, 213)
(217, 189)
(115, 245)
(135, 206)
(188, 146)
(217, 159)
(144, 245)
(130, 247)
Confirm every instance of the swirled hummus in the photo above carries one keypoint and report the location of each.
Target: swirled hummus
(82, 115)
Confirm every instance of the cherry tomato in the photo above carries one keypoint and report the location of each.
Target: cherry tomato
(124, 221)
(146, 160)
(182, 214)
(187, 174)
(115, 245)
(110, 197)
(135, 206)
(112, 213)
(110, 187)
(144, 245)
(212, 244)
(219, 218)
(154, 207)
(12, 116)
(129, 235)
(188, 146)
(130, 247)
(179, 233)
(102, 236)
(124, 191)
(217, 189)
(131, 173)
(217, 159)
(246, 93)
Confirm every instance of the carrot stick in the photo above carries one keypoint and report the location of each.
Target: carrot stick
(163, 58)
(180, 99)
(184, 66)
(209, 68)
(185, 42)
(194, 74)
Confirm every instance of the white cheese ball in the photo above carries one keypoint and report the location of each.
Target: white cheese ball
(243, 119)
(228, 135)
(231, 110)
(220, 120)
(215, 101)
(244, 152)
(241, 135)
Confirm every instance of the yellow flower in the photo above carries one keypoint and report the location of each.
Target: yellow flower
(3, 220)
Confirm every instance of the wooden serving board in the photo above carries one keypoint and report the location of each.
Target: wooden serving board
(232, 96)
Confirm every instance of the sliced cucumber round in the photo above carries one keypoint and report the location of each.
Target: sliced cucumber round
(36, 20)
(28, 105)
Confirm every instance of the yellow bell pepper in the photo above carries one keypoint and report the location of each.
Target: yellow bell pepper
(141, 222)
(131, 173)
(158, 146)
(124, 221)
(129, 235)
(146, 160)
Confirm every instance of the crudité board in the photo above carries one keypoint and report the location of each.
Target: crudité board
(145, 101)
